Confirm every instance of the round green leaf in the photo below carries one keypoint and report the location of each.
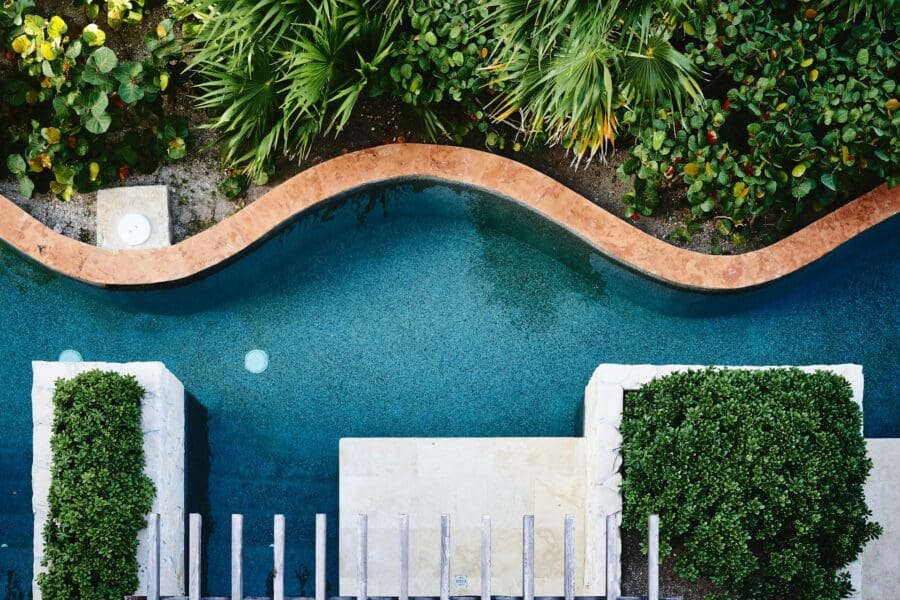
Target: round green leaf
(130, 92)
(104, 59)
(16, 164)
(97, 124)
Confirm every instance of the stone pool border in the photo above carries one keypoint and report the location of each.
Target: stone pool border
(542, 194)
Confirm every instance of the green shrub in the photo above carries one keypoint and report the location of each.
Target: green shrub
(70, 95)
(441, 59)
(99, 494)
(757, 477)
(807, 114)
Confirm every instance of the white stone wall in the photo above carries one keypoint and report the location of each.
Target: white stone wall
(505, 478)
(163, 426)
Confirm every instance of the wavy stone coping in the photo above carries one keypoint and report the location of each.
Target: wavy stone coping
(549, 198)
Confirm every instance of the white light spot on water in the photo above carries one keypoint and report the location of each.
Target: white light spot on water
(70, 356)
(3, 546)
(256, 361)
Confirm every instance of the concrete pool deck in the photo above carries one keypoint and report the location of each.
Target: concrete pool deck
(604, 231)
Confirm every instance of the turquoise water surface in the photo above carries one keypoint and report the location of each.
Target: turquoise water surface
(413, 309)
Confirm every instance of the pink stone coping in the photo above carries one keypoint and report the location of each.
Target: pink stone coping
(607, 233)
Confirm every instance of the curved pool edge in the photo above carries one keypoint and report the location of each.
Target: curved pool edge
(547, 197)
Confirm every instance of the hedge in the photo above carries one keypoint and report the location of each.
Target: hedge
(99, 494)
(757, 477)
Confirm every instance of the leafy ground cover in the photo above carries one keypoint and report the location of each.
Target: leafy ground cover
(742, 119)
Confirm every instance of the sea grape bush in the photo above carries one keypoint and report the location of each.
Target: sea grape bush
(99, 495)
(757, 477)
(808, 115)
(440, 59)
(70, 92)
(118, 12)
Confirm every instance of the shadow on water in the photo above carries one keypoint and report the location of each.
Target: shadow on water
(14, 590)
(530, 296)
(198, 459)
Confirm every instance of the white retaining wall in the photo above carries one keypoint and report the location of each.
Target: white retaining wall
(163, 426)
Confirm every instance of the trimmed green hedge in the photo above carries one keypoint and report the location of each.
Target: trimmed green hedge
(99, 494)
(757, 477)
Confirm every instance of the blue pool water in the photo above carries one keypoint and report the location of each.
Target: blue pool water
(414, 309)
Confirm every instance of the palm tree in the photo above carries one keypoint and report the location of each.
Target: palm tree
(564, 66)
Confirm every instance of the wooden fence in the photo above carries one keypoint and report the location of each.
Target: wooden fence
(613, 585)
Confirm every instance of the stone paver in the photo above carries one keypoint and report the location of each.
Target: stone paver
(148, 201)
(606, 232)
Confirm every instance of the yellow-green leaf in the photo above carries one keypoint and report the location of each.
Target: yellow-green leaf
(47, 51)
(56, 28)
(691, 169)
(94, 170)
(806, 62)
(22, 45)
(740, 189)
(799, 170)
(51, 134)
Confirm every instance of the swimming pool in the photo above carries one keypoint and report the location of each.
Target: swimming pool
(409, 309)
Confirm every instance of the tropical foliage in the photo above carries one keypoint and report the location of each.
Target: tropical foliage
(69, 94)
(806, 114)
(566, 66)
(757, 477)
(274, 74)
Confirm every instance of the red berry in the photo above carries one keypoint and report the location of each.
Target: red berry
(635, 216)
(727, 104)
(711, 137)
(676, 160)
(766, 116)
(670, 171)
(124, 172)
(10, 56)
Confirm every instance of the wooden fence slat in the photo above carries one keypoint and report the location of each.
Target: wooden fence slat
(321, 555)
(404, 557)
(237, 557)
(485, 557)
(569, 558)
(528, 557)
(445, 557)
(362, 557)
(278, 569)
(653, 558)
(195, 526)
(153, 557)
(613, 588)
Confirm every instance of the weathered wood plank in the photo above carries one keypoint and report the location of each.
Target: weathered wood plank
(195, 526)
(485, 557)
(278, 572)
(321, 555)
(613, 588)
(653, 557)
(153, 558)
(445, 557)
(528, 557)
(569, 558)
(404, 557)
(237, 557)
(362, 557)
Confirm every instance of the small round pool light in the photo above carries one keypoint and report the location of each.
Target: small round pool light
(70, 356)
(256, 361)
